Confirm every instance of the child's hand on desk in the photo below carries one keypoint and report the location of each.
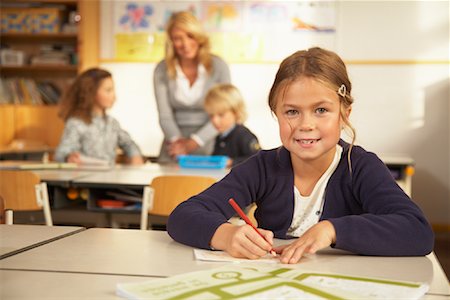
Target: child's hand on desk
(317, 237)
(242, 241)
(182, 146)
(74, 157)
(136, 160)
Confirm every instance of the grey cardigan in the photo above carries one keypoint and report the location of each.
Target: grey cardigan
(174, 115)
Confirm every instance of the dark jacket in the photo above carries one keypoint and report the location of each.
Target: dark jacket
(369, 211)
(239, 144)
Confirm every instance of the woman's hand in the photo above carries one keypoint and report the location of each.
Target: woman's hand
(242, 241)
(317, 237)
(182, 146)
(74, 157)
(136, 160)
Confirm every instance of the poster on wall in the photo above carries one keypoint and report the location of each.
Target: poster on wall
(240, 31)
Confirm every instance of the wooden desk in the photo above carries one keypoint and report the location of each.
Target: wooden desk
(18, 238)
(125, 252)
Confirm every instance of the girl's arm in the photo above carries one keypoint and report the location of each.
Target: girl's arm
(390, 223)
(129, 147)
(70, 140)
(195, 221)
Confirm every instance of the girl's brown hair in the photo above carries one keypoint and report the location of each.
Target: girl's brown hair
(79, 99)
(224, 97)
(324, 66)
(186, 21)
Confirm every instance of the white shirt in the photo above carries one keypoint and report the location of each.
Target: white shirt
(308, 209)
(184, 92)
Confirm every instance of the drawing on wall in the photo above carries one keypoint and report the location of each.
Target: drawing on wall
(240, 31)
(135, 17)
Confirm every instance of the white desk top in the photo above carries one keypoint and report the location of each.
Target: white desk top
(143, 175)
(60, 175)
(154, 253)
(41, 285)
(36, 285)
(17, 238)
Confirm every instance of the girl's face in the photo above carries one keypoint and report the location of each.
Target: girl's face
(106, 95)
(309, 120)
(186, 47)
(223, 121)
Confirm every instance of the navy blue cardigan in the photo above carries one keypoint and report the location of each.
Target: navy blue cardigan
(369, 211)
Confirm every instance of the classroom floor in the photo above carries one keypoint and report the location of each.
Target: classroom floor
(442, 251)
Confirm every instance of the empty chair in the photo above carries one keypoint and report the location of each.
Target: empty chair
(24, 191)
(6, 216)
(166, 192)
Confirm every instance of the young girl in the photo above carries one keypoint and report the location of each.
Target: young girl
(89, 131)
(226, 109)
(315, 188)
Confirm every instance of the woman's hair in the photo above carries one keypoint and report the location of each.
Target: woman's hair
(224, 97)
(187, 22)
(79, 99)
(324, 66)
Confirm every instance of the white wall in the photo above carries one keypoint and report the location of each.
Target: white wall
(399, 108)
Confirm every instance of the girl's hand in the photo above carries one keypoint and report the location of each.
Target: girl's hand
(317, 237)
(242, 241)
(74, 157)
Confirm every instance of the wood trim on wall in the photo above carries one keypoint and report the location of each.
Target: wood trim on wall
(89, 34)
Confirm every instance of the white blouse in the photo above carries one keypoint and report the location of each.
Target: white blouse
(184, 92)
(308, 209)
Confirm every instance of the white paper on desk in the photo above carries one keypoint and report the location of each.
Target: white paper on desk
(258, 281)
(92, 161)
(366, 287)
(209, 255)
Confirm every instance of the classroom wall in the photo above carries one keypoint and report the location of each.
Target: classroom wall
(397, 54)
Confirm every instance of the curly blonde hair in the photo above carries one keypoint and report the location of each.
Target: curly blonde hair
(187, 22)
(79, 99)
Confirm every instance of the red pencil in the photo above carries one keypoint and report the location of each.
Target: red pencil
(247, 221)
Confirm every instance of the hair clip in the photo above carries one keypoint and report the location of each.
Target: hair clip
(342, 91)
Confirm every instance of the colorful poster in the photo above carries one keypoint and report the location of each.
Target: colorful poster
(240, 31)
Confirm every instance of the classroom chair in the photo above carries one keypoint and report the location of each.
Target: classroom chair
(167, 191)
(24, 191)
(5, 214)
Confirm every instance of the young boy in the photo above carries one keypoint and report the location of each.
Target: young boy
(226, 109)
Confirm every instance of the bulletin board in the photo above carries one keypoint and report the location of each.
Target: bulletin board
(240, 31)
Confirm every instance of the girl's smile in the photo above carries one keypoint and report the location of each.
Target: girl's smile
(309, 120)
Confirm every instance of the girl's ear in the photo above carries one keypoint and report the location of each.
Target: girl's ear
(348, 111)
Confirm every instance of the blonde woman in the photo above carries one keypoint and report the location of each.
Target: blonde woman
(226, 108)
(181, 81)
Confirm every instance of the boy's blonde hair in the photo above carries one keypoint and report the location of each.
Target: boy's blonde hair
(186, 21)
(224, 97)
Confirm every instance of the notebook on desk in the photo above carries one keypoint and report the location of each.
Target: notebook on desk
(269, 282)
(35, 165)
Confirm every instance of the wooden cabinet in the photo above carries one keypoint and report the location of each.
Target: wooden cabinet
(36, 123)
(40, 122)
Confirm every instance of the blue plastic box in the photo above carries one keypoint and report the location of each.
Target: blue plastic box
(203, 161)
